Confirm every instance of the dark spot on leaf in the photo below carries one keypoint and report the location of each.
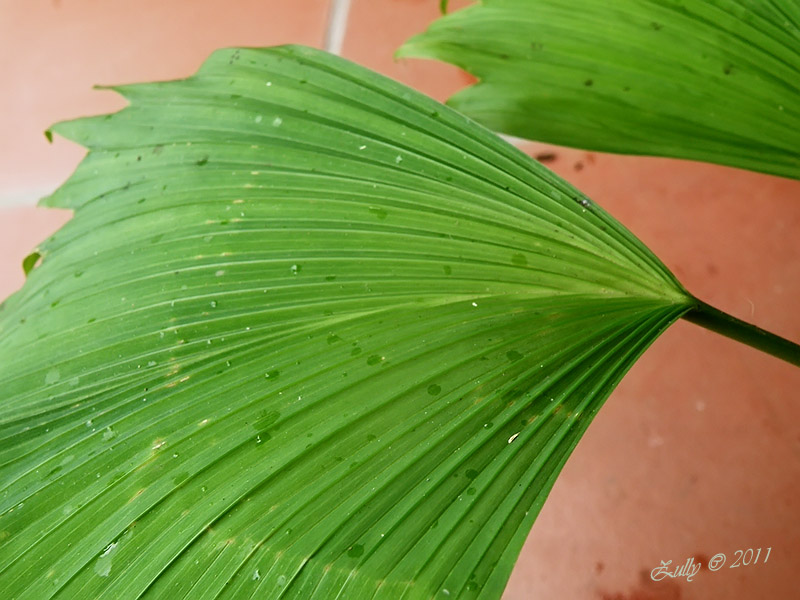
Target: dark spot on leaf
(54, 303)
(272, 374)
(519, 260)
(471, 491)
(92, 320)
(235, 96)
(371, 437)
(434, 390)
(546, 157)
(447, 270)
(330, 278)
(333, 338)
(728, 69)
(578, 166)
(374, 359)
(158, 149)
(471, 473)
(356, 551)
(224, 222)
(78, 274)
(588, 83)
(355, 351)
(537, 46)
(140, 200)
(138, 158)
(656, 26)
(513, 355)
(202, 162)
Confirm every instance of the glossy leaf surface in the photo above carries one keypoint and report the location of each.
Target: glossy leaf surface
(309, 334)
(709, 80)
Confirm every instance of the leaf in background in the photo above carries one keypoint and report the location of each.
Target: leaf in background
(309, 334)
(709, 80)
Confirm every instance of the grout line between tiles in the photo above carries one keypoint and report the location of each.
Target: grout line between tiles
(26, 196)
(337, 26)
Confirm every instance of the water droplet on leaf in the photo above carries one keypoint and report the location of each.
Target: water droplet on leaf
(52, 376)
(356, 551)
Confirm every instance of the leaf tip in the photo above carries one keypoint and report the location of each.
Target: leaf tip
(411, 48)
(31, 261)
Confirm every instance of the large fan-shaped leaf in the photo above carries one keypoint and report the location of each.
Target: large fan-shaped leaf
(309, 335)
(711, 80)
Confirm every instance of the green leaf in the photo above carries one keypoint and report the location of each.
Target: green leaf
(709, 80)
(309, 334)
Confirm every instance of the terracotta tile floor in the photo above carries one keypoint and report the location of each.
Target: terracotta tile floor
(697, 451)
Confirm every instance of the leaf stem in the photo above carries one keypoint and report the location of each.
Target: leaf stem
(711, 318)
